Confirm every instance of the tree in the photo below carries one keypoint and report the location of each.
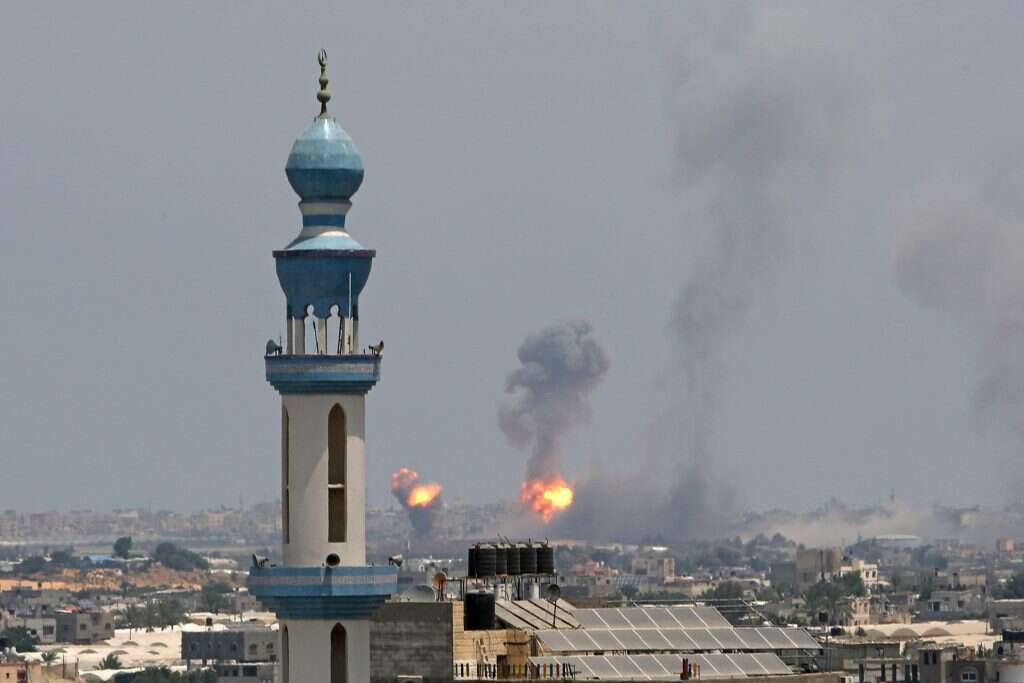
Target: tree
(49, 657)
(727, 590)
(169, 613)
(173, 557)
(32, 565)
(123, 547)
(61, 558)
(214, 597)
(629, 591)
(1014, 587)
(20, 638)
(109, 662)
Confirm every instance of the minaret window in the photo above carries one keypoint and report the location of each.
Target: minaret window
(339, 673)
(285, 477)
(336, 463)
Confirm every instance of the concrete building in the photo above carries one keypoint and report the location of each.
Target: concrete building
(242, 644)
(325, 594)
(42, 626)
(84, 627)
(810, 566)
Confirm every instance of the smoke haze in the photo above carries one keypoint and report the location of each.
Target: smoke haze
(762, 112)
(960, 251)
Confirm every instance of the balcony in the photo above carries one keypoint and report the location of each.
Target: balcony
(323, 374)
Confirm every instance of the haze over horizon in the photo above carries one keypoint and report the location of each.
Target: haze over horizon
(525, 166)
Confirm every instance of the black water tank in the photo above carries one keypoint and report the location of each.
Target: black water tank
(479, 611)
(514, 568)
(545, 559)
(486, 557)
(528, 559)
(471, 568)
(500, 560)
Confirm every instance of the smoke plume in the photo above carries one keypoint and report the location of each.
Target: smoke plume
(422, 500)
(559, 367)
(763, 107)
(960, 251)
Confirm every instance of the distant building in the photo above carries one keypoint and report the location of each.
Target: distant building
(810, 566)
(246, 644)
(84, 627)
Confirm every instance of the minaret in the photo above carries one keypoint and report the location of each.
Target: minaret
(324, 594)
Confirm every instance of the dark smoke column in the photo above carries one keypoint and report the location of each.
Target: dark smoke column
(559, 367)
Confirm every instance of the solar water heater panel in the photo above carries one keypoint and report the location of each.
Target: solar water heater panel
(772, 663)
(589, 618)
(650, 665)
(601, 668)
(613, 617)
(712, 617)
(655, 640)
(626, 667)
(776, 638)
(637, 616)
(631, 640)
(553, 641)
(606, 640)
(724, 665)
(753, 639)
(662, 617)
(686, 617)
(749, 664)
(679, 640)
(728, 638)
(703, 639)
(802, 638)
(579, 639)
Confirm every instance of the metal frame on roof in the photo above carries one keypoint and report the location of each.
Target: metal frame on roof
(667, 667)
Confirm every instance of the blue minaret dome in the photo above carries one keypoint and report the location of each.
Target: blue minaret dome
(324, 266)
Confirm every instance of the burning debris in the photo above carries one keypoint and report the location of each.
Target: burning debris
(421, 500)
(560, 366)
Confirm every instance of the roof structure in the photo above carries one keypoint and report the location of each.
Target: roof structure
(536, 614)
(667, 666)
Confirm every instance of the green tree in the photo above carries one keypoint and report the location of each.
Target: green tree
(1014, 588)
(109, 662)
(629, 591)
(727, 590)
(214, 597)
(49, 657)
(123, 547)
(169, 613)
(32, 565)
(20, 638)
(173, 557)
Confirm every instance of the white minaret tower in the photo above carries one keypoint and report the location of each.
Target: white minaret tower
(324, 595)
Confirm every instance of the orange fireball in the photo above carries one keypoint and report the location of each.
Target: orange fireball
(423, 495)
(546, 498)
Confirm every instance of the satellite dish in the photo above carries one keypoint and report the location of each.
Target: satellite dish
(438, 581)
(552, 593)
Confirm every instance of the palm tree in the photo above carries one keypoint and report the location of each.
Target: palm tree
(109, 662)
(49, 657)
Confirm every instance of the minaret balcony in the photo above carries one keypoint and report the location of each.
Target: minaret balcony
(323, 373)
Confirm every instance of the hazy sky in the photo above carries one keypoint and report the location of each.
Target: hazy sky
(524, 165)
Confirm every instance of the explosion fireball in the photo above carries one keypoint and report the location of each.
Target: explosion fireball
(421, 500)
(546, 498)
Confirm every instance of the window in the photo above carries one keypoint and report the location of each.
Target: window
(285, 477)
(339, 670)
(969, 676)
(336, 465)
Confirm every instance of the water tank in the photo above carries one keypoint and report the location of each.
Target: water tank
(471, 567)
(514, 567)
(545, 559)
(486, 557)
(500, 560)
(528, 559)
(479, 611)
